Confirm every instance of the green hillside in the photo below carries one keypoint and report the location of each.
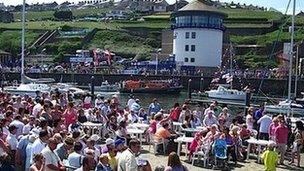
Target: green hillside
(138, 38)
(112, 25)
(124, 44)
(10, 41)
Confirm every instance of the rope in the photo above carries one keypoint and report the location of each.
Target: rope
(275, 43)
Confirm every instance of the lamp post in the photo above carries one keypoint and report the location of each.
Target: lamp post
(156, 69)
(189, 88)
(202, 84)
(92, 86)
(156, 59)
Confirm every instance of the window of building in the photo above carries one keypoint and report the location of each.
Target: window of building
(187, 35)
(187, 48)
(186, 59)
(175, 36)
(192, 59)
(193, 35)
(193, 48)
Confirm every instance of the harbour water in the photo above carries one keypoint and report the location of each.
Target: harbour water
(166, 100)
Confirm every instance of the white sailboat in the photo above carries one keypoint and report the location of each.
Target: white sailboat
(288, 106)
(227, 93)
(33, 85)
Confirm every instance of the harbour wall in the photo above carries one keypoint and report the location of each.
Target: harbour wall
(268, 86)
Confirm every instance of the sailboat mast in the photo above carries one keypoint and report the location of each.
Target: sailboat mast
(291, 49)
(297, 71)
(23, 41)
(230, 53)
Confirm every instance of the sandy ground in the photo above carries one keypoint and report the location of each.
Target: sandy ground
(250, 165)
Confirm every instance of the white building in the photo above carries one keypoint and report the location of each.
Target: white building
(198, 35)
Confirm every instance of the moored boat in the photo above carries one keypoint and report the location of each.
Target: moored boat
(29, 89)
(224, 93)
(286, 107)
(106, 87)
(151, 86)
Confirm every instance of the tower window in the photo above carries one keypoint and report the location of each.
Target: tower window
(187, 48)
(187, 35)
(193, 48)
(192, 59)
(186, 59)
(193, 35)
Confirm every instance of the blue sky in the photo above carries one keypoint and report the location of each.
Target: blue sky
(278, 4)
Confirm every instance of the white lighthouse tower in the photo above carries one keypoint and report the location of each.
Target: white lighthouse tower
(198, 35)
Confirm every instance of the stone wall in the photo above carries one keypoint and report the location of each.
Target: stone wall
(269, 86)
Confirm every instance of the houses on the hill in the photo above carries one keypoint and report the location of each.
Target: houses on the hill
(6, 16)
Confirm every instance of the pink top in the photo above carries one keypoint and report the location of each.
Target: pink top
(70, 117)
(281, 134)
(194, 144)
(272, 128)
(152, 128)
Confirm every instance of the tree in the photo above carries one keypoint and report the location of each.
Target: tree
(66, 28)
(63, 15)
(6, 16)
(59, 57)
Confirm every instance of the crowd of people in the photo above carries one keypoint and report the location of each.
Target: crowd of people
(46, 132)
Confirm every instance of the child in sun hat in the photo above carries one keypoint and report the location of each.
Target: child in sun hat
(270, 158)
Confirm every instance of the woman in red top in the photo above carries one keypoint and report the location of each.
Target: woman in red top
(175, 112)
(70, 115)
(272, 127)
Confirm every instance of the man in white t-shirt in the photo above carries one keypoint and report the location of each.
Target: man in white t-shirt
(127, 160)
(17, 123)
(37, 108)
(11, 138)
(264, 122)
(52, 160)
(29, 126)
(40, 143)
(99, 101)
(130, 101)
(75, 158)
(210, 119)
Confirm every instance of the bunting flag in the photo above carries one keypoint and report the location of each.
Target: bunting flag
(228, 77)
(215, 80)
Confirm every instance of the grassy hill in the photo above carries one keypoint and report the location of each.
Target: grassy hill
(10, 41)
(112, 25)
(118, 36)
(124, 44)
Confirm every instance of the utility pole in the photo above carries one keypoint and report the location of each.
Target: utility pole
(291, 49)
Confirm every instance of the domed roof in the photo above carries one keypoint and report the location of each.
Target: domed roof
(199, 5)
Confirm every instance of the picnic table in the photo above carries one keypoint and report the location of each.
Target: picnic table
(91, 126)
(181, 140)
(259, 143)
(137, 132)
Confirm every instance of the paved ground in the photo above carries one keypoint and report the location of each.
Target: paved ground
(250, 165)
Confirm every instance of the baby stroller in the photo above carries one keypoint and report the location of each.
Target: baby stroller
(220, 153)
